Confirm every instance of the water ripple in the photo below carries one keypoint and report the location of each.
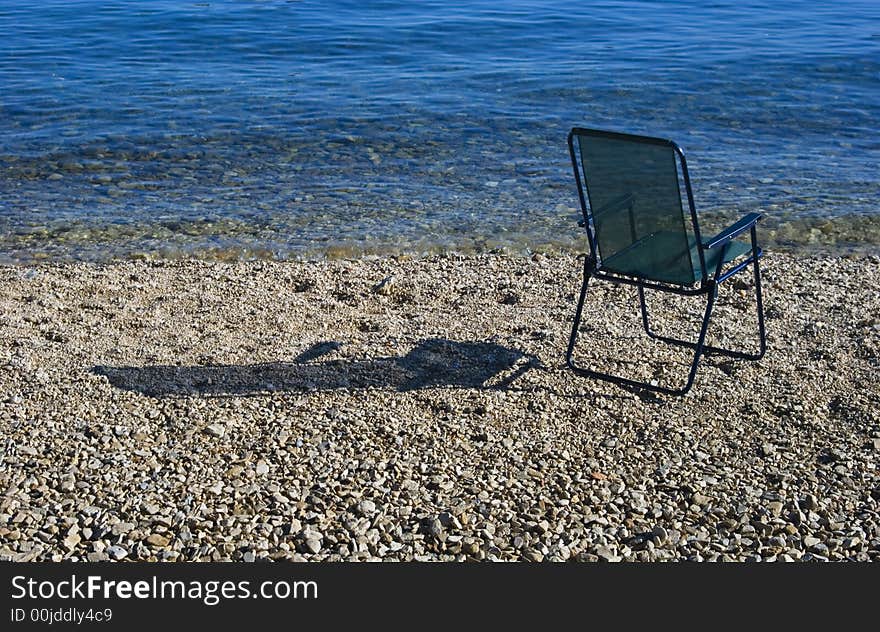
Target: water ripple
(401, 123)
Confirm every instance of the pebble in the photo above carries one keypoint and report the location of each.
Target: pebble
(660, 535)
(215, 430)
(68, 483)
(158, 540)
(117, 552)
(700, 500)
(385, 286)
(533, 555)
(122, 528)
(607, 555)
(809, 503)
(72, 540)
(366, 507)
(435, 527)
(433, 430)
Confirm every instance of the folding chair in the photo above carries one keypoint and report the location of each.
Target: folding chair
(640, 235)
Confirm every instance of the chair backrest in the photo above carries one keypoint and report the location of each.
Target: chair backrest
(635, 219)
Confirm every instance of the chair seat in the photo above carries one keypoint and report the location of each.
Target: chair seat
(659, 257)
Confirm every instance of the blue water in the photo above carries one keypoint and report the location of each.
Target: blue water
(287, 129)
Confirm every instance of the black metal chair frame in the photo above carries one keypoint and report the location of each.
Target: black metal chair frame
(708, 286)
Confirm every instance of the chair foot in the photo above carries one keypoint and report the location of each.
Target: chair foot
(709, 349)
(621, 381)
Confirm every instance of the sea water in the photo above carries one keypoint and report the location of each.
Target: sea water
(291, 129)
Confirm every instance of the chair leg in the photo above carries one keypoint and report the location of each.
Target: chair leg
(760, 305)
(698, 346)
(709, 348)
(577, 315)
(644, 309)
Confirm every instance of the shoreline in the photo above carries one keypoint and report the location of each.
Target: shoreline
(417, 408)
(282, 237)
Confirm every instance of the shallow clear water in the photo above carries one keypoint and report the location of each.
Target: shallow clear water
(290, 129)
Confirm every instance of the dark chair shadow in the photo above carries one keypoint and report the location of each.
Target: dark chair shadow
(432, 363)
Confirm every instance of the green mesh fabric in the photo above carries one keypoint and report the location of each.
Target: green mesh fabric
(635, 200)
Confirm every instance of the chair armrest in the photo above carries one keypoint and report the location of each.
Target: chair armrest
(733, 231)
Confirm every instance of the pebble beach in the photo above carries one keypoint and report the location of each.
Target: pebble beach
(397, 408)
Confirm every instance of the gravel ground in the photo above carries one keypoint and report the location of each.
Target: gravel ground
(404, 409)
